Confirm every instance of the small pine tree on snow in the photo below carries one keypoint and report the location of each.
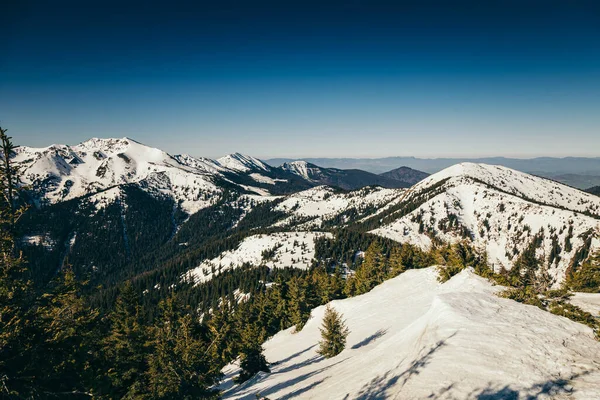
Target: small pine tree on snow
(333, 333)
(252, 359)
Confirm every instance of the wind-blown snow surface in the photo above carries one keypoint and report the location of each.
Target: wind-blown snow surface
(502, 210)
(415, 338)
(291, 249)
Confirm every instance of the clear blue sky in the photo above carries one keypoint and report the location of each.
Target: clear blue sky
(299, 79)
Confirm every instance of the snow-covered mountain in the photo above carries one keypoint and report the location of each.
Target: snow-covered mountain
(413, 337)
(497, 209)
(500, 210)
(61, 172)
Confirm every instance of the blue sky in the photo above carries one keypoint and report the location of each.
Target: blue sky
(300, 79)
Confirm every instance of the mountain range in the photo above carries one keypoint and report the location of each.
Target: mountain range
(496, 208)
(119, 211)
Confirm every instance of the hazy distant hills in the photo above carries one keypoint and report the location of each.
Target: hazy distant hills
(580, 172)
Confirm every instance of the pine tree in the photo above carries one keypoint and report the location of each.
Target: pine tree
(252, 359)
(299, 307)
(224, 339)
(179, 365)
(66, 354)
(17, 330)
(125, 347)
(372, 271)
(396, 265)
(333, 333)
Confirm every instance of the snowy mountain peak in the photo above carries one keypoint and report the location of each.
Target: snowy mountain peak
(242, 163)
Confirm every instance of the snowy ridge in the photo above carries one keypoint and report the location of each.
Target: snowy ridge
(288, 249)
(415, 338)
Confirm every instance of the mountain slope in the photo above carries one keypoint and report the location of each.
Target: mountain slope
(406, 175)
(415, 338)
(348, 179)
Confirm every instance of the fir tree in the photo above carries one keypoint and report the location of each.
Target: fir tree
(179, 365)
(373, 270)
(16, 295)
(252, 359)
(299, 307)
(67, 352)
(125, 347)
(224, 339)
(396, 265)
(333, 333)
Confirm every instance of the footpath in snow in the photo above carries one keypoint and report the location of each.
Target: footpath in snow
(413, 337)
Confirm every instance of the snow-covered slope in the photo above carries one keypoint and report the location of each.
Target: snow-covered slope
(499, 210)
(301, 168)
(242, 163)
(288, 249)
(415, 338)
(314, 206)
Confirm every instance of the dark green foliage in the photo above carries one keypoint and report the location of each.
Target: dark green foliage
(301, 299)
(574, 313)
(586, 277)
(373, 270)
(179, 365)
(252, 359)
(333, 333)
(125, 347)
(453, 258)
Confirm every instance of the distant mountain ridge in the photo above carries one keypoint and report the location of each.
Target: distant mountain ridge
(580, 172)
(348, 179)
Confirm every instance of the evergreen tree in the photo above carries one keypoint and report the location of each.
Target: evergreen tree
(333, 333)
(16, 295)
(66, 354)
(252, 359)
(373, 270)
(586, 277)
(224, 339)
(125, 347)
(395, 262)
(179, 365)
(299, 307)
